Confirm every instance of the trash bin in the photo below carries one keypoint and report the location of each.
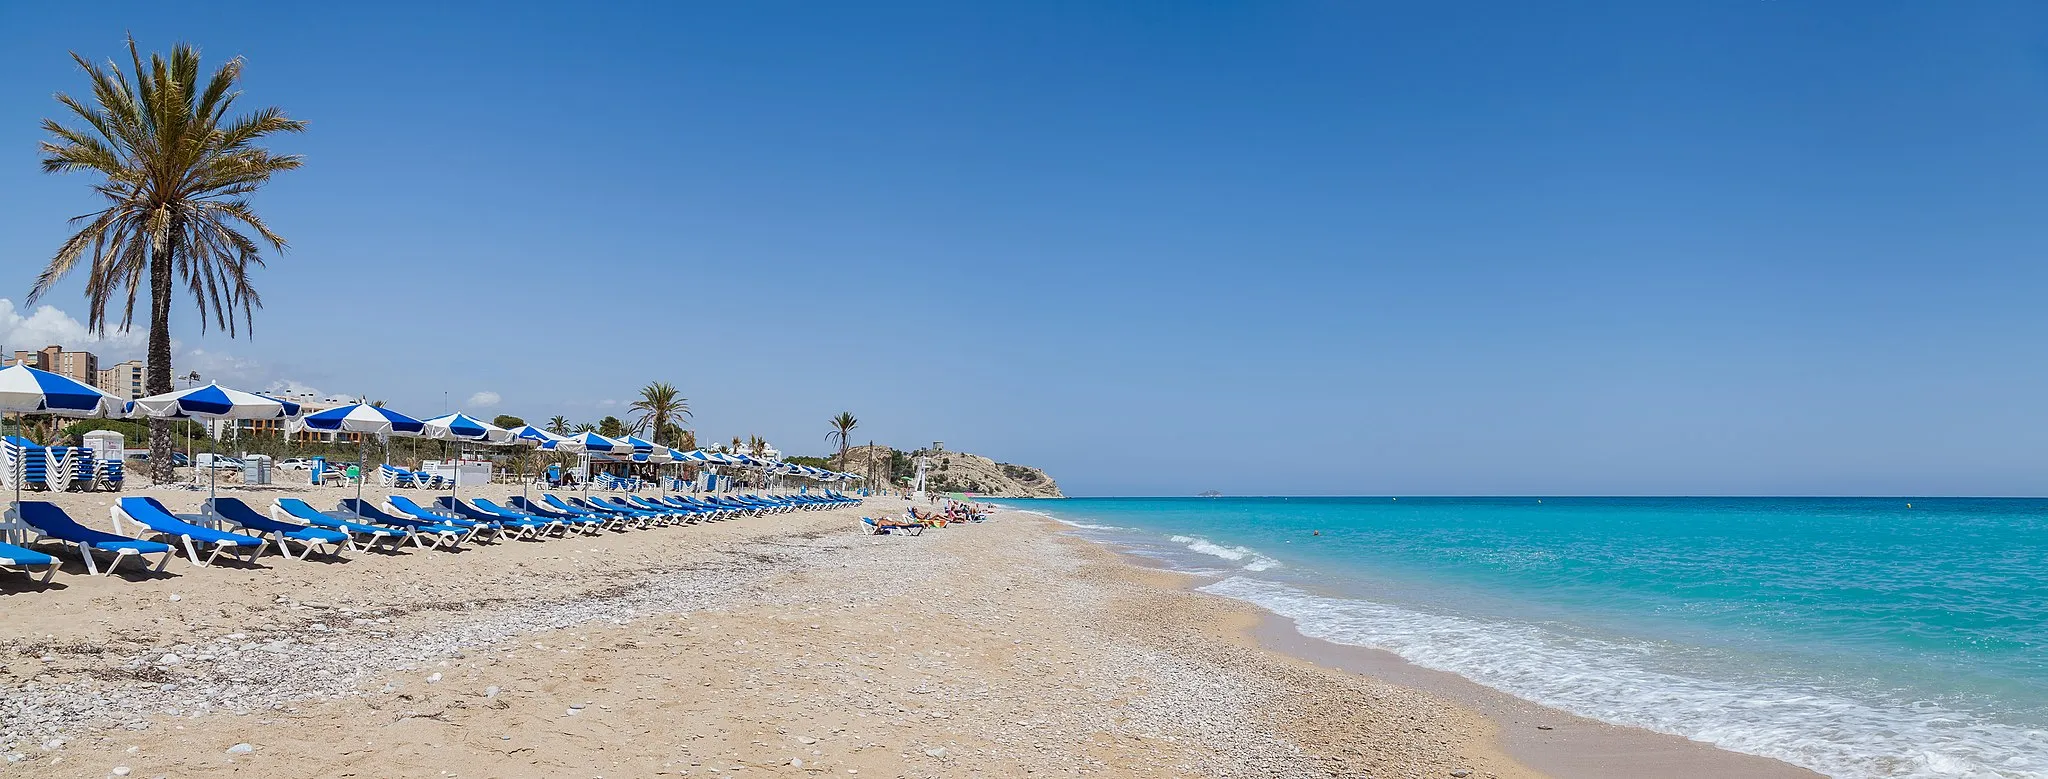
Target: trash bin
(319, 470)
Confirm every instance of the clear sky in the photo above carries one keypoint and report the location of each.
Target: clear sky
(1155, 248)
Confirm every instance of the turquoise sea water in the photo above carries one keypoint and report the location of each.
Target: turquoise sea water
(1855, 636)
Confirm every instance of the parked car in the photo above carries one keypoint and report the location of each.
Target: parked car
(218, 461)
(177, 458)
(296, 464)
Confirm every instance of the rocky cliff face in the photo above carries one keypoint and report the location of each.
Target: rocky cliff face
(962, 472)
(956, 472)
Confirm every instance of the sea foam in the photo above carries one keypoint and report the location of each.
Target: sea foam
(1625, 682)
(1253, 561)
(1060, 519)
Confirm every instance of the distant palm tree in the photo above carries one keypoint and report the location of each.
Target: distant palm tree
(177, 169)
(737, 444)
(757, 446)
(558, 425)
(658, 408)
(842, 426)
(583, 427)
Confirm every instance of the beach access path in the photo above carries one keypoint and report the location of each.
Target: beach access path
(779, 645)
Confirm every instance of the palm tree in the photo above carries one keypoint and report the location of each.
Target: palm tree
(584, 427)
(659, 407)
(177, 169)
(842, 426)
(757, 446)
(558, 424)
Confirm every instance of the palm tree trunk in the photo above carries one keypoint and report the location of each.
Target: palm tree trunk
(161, 448)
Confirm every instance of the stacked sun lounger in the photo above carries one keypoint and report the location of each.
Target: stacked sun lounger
(108, 474)
(393, 476)
(59, 468)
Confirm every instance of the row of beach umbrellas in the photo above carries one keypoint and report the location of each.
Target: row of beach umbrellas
(28, 390)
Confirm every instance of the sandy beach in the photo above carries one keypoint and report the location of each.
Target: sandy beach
(786, 645)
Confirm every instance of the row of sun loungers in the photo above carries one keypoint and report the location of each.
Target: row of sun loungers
(229, 528)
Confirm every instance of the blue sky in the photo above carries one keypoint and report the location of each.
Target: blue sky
(1156, 248)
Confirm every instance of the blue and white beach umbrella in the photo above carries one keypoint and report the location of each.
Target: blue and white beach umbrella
(212, 402)
(543, 440)
(463, 427)
(598, 444)
(365, 419)
(541, 437)
(362, 418)
(656, 453)
(25, 390)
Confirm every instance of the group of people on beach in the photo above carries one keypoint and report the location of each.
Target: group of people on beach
(952, 511)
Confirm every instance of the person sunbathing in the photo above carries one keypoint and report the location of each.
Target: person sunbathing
(890, 523)
(927, 518)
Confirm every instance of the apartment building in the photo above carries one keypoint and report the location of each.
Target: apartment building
(124, 379)
(79, 366)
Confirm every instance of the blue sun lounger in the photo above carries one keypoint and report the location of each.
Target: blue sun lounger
(154, 517)
(624, 519)
(564, 523)
(590, 522)
(771, 505)
(405, 507)
(679, 515)
(27, 560)
(620, 505)
(716, 511)
(355, 531)
(281, 533)
(612, 519)
(528, 527)
(51, 522)
(449, 535)
(702, 510)
(738, 507)
(645, 518)
(762, 507)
